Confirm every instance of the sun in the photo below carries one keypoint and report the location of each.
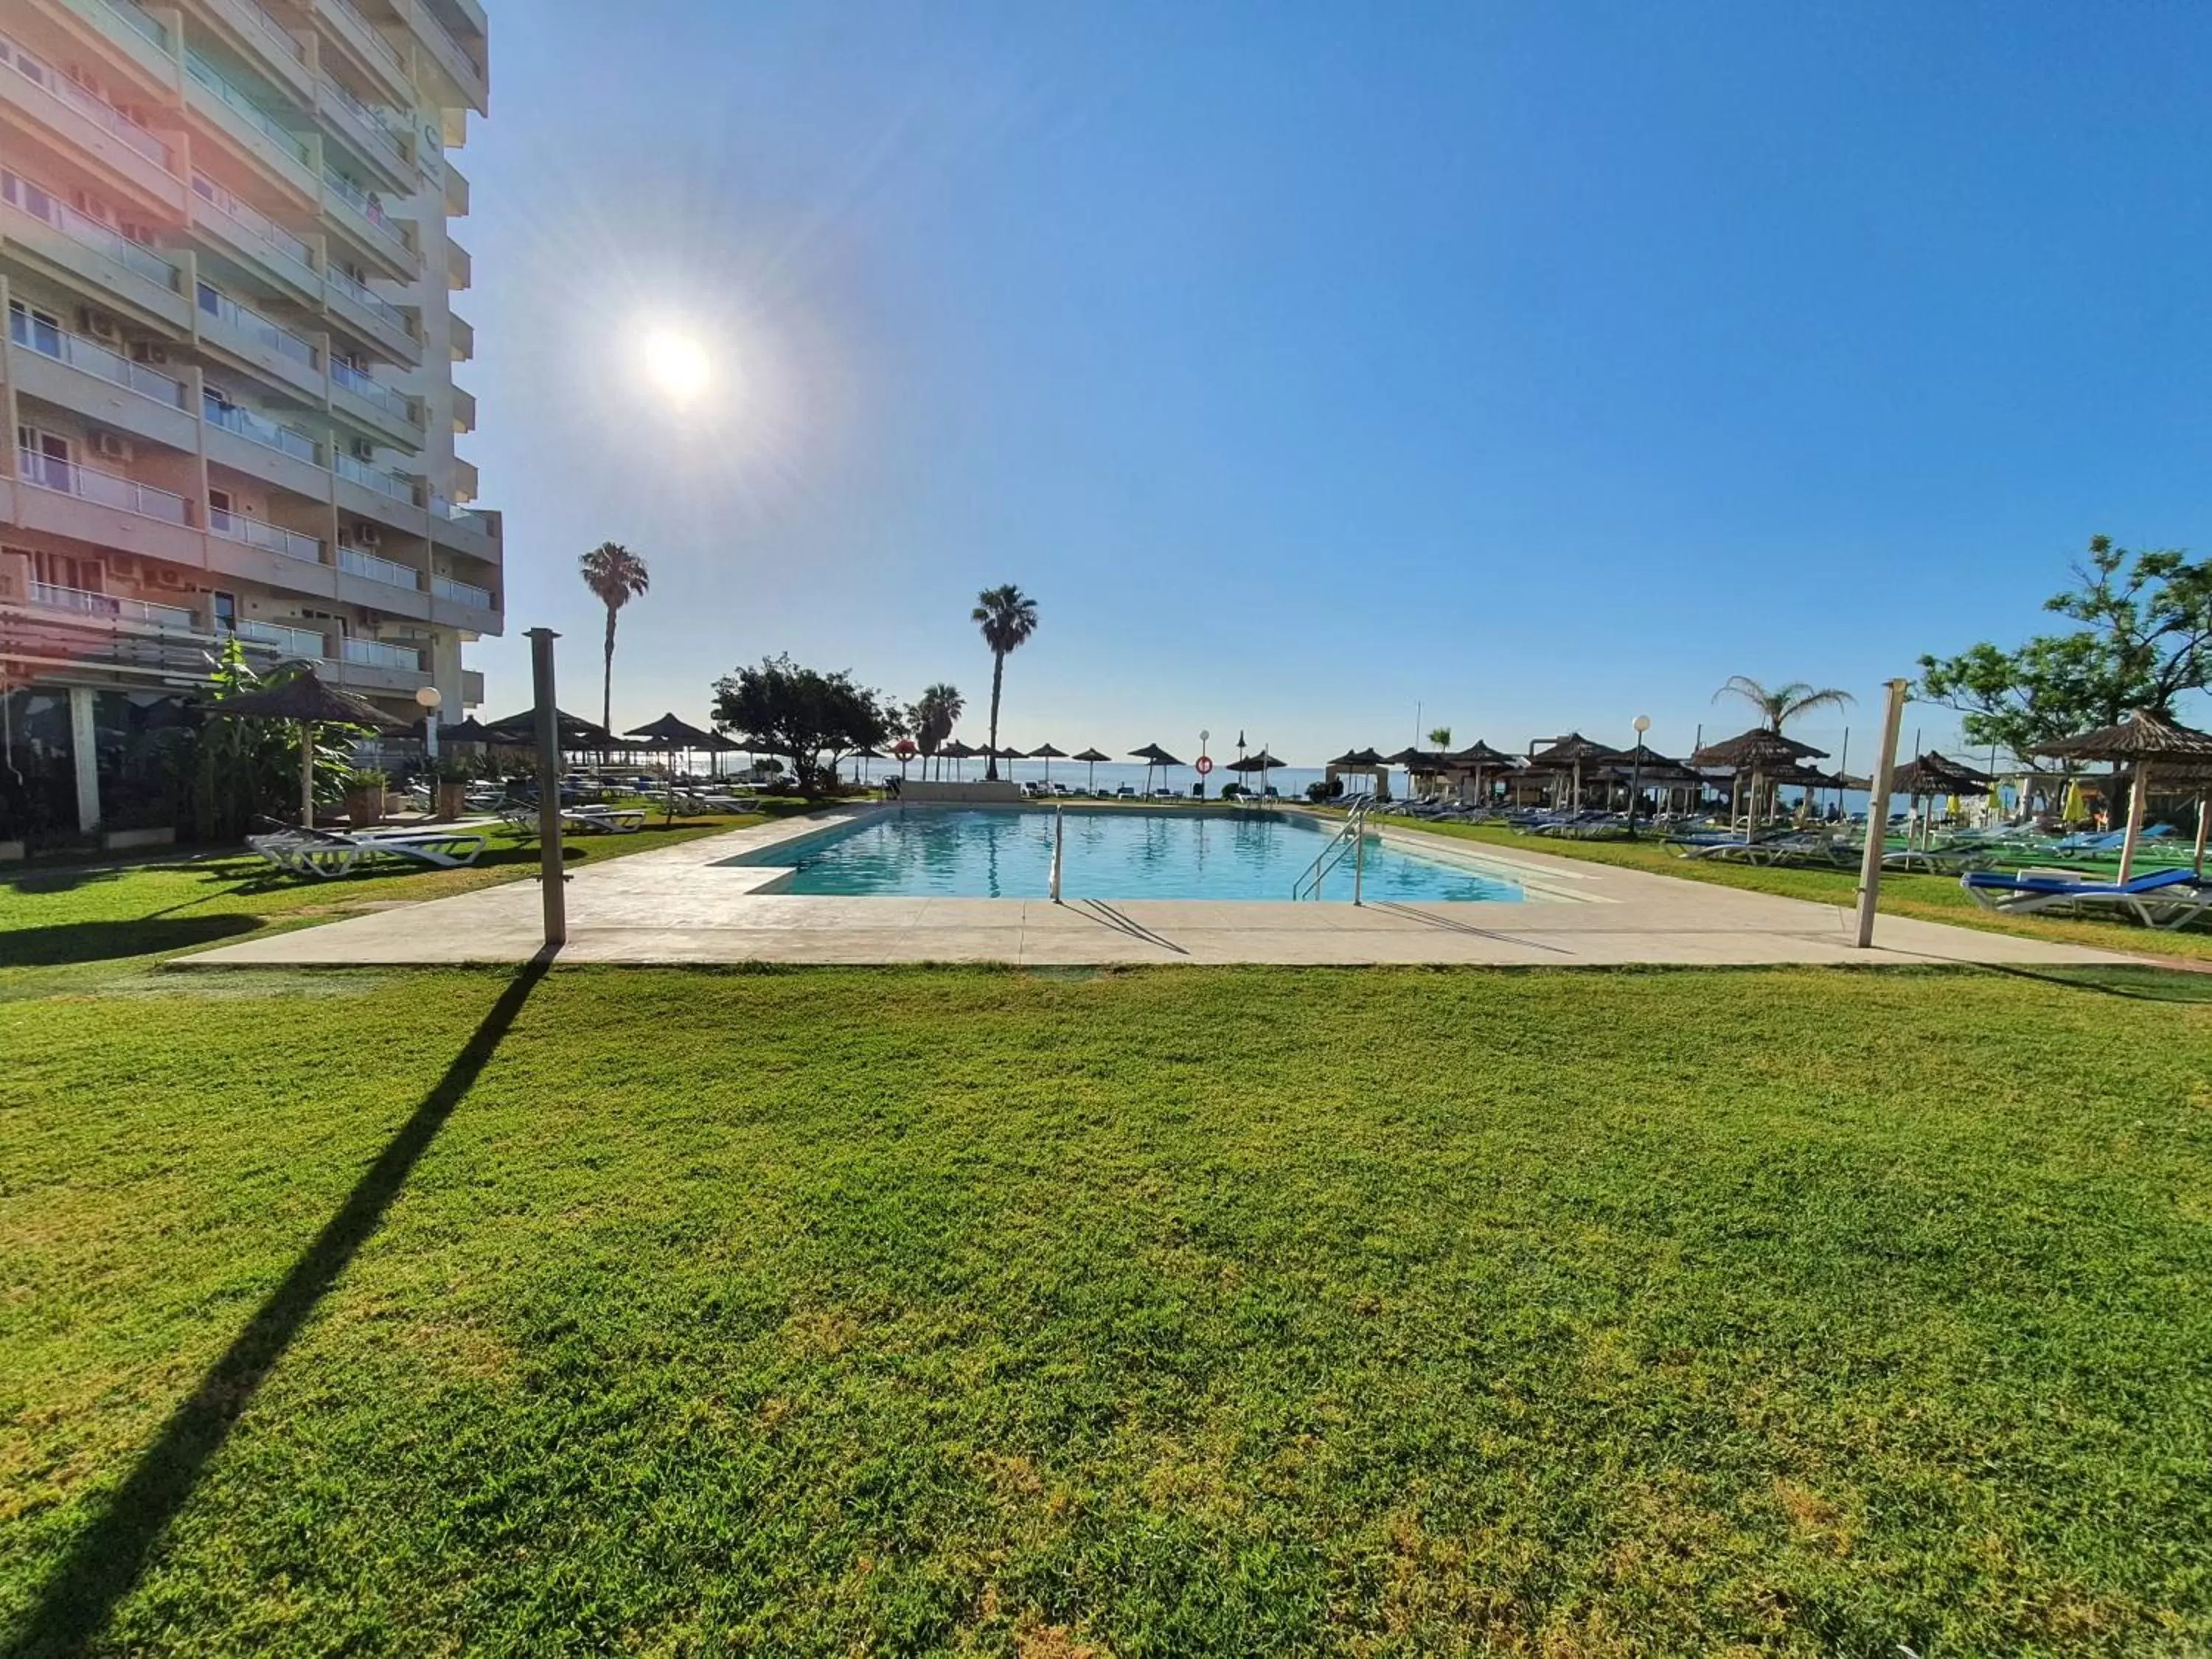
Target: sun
(675, 365)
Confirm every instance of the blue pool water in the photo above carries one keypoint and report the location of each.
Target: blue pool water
(1116, 853)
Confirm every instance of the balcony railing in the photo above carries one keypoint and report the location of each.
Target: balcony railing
(93, 358)
(86, 603)
(255, 326)
(260, 532)
(461, 592)
(368, 207)
(373, 478)
(134, 17)
(279, 36)
(385, 48)
(379, 122)
(373, 391)
(255, 429)
(375, 654)
(47, 207)
(370, 302)
(91, 484)
(369, 566)
(254, 116)
(288, 250)
(292, 641)
(87, 103)
(438, 27)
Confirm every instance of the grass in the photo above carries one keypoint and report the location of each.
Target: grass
(1929, 898)
(1188, 1312)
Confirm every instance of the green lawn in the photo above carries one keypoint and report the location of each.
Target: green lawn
(1931, 898)
(1196, 1311)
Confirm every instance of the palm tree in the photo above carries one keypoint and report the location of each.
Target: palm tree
(1007, 617)
(618, 576)
(1782, 703)
(934, 716)
(1440, 736)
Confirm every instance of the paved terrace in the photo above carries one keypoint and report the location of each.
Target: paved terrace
(676, 906)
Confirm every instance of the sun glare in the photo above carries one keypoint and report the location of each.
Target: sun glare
(675, 365)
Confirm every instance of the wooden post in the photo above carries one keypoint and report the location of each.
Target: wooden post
(1884, 769)
(551, 876)
(2136, 796)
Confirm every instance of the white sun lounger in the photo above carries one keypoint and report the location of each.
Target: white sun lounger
(328, 853)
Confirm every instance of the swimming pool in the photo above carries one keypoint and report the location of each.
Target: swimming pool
(1119, 853)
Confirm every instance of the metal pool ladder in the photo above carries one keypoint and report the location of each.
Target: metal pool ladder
(1349, 841)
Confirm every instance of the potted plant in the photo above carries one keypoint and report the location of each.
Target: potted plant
(365, 797)
(454, 777)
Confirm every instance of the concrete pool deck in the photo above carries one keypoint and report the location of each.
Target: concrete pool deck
(684, 904)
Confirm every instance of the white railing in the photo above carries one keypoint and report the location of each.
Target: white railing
(260, 532)
(378, 122)
(368, 207)
(375, 653)
(293, 642)
(93, 358)
(254, 116)
(282, 245)
(91, 484)
(466, 517)
(136, 17)
(85, 102)
(461, 592)
(255, 429)
(385, 48)
(277, 32)
(369, 566)
(256, 326)
(45, 206)
(368, 301)
(373, 391)
(371, 478)
(87, 603)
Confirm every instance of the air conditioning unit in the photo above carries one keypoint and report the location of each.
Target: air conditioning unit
(89, 205)
(363, 450)
(168, 575)
(98, 324)
(147, 351)
(366, 538)
(110, 447)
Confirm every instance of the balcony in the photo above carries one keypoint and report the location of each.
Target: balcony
(86, 123)
(246, 229)
(370, 568)
(378, 56)
(89, 483)
(374, 132)
(389, 485)
(461, 592)
(375, 654)
(465, 529)
(253, 131)
(248, 334)
(110, 607)
(372, 317)
(88, 357)
(463, 65)
(456, 190)
(273, 47)
(127, 272)
(460, 337)
(359, 214)
(374, 404)
(289, 642)
(256, 429)
(260, 532)
(81, 374)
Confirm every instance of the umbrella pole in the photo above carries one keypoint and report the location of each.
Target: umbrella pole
(2136, 798)
(306, 775)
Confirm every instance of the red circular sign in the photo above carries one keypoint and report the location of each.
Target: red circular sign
(1202, 765)
(903, 749)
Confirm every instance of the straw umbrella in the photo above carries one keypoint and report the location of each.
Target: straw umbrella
(669, 734)
(1048, 754)
(1477, 758)
(1260, 763)
(307, 703)
(1570, 754)
(957, 752)
(1152, 755)
(1091, 757)
(1932, 775)
(1757, 751)
(2140, 739)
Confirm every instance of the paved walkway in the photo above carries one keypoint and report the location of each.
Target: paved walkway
(678, 905)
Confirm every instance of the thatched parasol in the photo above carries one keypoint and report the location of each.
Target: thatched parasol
(578, 736)
(307, 703)
(1091, 757)
(1048, 754)
(1153, 755)
(670, 734)
(2142, 738)
(1758, 751)
(1570, 754)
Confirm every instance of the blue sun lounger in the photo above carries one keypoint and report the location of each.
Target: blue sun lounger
(2165, 898)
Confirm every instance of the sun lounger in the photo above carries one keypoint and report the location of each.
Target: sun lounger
(2165, 898)
(328, 853)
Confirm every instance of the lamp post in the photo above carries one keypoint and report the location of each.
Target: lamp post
(427, 700)
(1204, 736)
(1636, 772)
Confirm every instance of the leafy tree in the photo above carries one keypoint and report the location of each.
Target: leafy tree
(227, 773)
(811, 719)
(1440, 736)
(617, 575)
(1007, 617)
(2145, 640)
(933, 717)
(1781, 704)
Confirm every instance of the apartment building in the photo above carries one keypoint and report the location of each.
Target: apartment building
(227, 260)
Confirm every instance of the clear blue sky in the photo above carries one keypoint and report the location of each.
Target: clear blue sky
(1544, 364)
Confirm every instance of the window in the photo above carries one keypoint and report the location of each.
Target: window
(41, 330)
(46, 457)
(65, 570)
(225, 608)
(218, 500)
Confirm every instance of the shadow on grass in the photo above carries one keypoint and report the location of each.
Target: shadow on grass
(2145, 984)
(105, 941)
(100, 1570)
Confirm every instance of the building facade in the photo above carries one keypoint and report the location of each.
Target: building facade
(228, 266)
